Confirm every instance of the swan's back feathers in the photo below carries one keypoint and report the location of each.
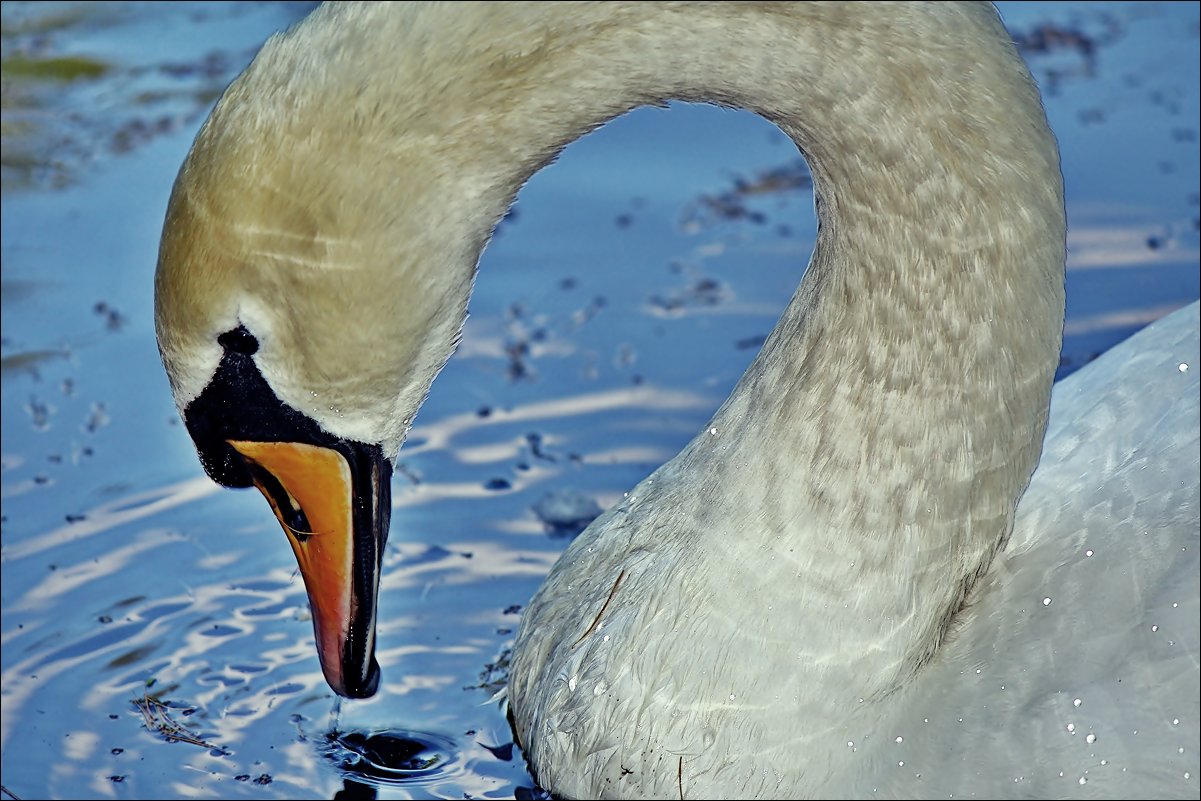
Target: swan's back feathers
(1095, 598)
(1077, 655)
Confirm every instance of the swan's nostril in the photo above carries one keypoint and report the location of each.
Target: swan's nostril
(239, 340)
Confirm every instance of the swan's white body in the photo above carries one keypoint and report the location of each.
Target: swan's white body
(1071, 672)
(780, 610)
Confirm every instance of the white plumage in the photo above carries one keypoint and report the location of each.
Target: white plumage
(821, 595)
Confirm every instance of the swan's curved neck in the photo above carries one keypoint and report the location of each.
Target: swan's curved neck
(885, 432)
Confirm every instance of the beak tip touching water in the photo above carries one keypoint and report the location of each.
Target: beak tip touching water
(364, 689)
(334, 505)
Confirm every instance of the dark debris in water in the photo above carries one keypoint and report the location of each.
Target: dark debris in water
(57, 123)
(1039, 43)
(495, 675)
(519, 344)
(536, 450)
(518, 366)
(408, 473)
(1044, 45)
(156, 715)
(732, 204)
(262, 778)
(583, 315)
(113, 319)
(702, 292)
(1047, 38)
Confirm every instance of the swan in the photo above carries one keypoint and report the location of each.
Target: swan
(833, 589)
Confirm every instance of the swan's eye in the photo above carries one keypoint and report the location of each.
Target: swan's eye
(239, 340)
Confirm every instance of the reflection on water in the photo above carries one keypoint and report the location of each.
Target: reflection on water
(156, 639)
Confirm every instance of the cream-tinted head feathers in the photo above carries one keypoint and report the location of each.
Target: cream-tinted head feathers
(338, 198)
(328, 213)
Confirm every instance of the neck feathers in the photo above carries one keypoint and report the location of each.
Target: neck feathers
(905, 387)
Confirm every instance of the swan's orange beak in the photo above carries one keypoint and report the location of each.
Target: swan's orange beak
(335, 511)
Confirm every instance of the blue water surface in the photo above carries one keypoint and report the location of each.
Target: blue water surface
(156, 638)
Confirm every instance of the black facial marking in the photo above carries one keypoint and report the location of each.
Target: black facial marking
(239, 404)
(239, 340)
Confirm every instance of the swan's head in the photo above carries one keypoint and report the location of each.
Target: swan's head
(305, 298)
